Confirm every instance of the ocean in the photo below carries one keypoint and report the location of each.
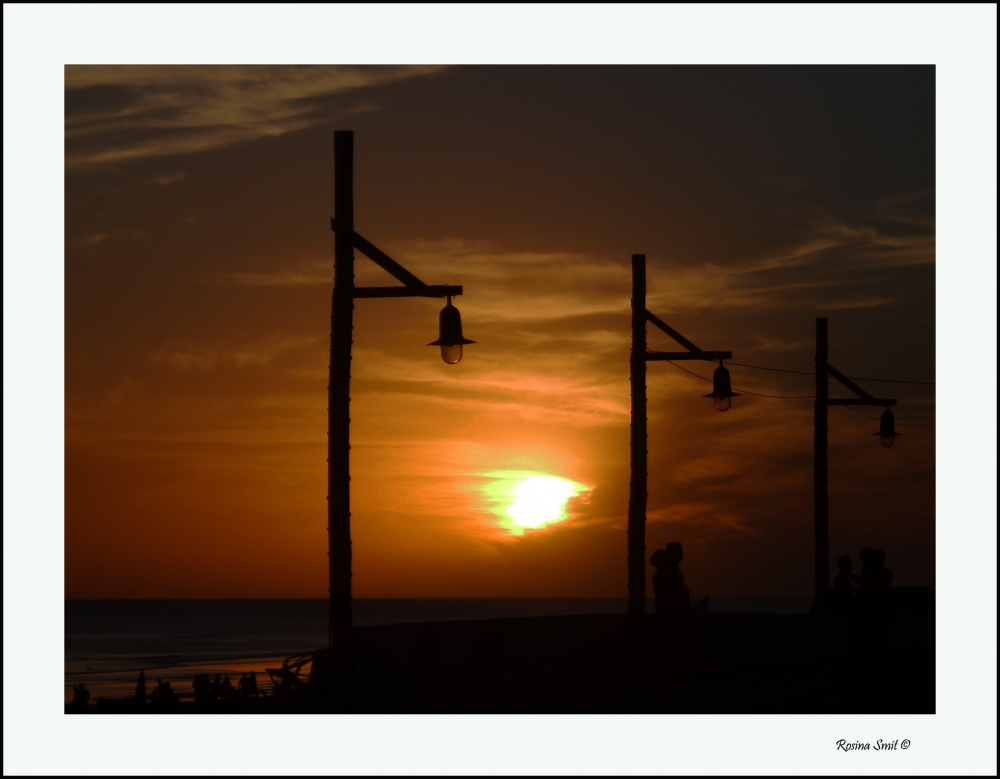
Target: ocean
(107, 642)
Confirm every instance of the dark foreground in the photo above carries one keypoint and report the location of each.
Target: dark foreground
(716, 663)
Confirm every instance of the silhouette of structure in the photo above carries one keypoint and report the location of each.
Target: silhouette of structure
(340, 663)
(640, 355)
(820, 486)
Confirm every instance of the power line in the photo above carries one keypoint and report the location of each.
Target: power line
(783, 397)
(901, 424)
(806, 373)
(788, 397)
(778, 370)
(739, 389)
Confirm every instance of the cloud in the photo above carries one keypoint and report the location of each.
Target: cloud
(169, 178)
(88, 241)
(119, 113)
(251, 355)
(833, 265)
(772, 344)
(308, 274)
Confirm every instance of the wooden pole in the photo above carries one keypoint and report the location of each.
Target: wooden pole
(637, 484)
(820, 498)
(341, 667)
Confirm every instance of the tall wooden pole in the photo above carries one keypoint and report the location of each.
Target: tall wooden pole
(637, 485)
(339, 442)
(820, 500)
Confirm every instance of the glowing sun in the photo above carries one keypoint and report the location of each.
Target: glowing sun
(527, 500)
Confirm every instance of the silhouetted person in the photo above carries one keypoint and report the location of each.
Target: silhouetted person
(139, 699)
(866, 579)
(882, 574)
(217, 687)
(874, 581)
(81, 695)
(843, 591)
(252, 684)
(227, 689)
(243, 687)
(202, 689)
(881, 580)
(672, 597)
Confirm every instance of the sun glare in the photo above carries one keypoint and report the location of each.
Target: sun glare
(528, 500)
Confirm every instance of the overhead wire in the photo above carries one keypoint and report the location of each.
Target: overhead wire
(807, 373)
(901, 424)
(740, 389)
(786, 397)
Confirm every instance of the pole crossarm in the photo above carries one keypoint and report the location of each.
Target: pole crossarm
(414, 288)
(863, 399)
(692, 353)
(698, 355)
(426, 291)
(651, 317)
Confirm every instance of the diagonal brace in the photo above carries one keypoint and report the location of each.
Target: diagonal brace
(864, 399)
(671, 332)
(848, 383)
(383, 260)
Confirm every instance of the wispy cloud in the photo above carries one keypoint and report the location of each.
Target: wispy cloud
(249, 355)
(308, 274)
(117, 113)
(169, 178)
(834, 265)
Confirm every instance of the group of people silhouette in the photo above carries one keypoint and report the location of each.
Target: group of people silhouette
(163, 698)
(221, 688)
(81, 695)
(866, 592)
(872, 591)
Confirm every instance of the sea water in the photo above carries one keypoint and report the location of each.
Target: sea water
(107, 642)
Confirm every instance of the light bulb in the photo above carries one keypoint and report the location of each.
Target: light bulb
(451, 354)
(723, 404)
(887, 440)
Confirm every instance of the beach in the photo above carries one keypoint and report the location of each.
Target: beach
(530, 655)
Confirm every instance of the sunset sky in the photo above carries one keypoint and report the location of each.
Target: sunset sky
(198, 277)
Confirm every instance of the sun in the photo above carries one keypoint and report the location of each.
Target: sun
(539, 500)
(527, 500)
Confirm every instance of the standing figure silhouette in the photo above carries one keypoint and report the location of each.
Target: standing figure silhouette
(881, 580)
(843, 590)
(139, 699)
(672, 597)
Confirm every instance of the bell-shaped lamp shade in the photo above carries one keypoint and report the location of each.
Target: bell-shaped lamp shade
(722, 390)
(450, 337)
(887, 429)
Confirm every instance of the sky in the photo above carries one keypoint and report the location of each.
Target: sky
(198, 277)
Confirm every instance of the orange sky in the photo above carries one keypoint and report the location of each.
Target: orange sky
(198, 279)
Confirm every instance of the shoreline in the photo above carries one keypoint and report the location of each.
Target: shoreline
(719, 663)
